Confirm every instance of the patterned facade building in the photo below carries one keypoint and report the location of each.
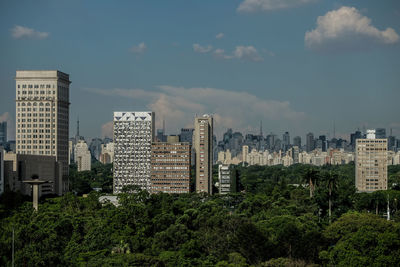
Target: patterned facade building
(42, 116)
(170, 167)
(133, 136)
(203, 145)
(371, 163)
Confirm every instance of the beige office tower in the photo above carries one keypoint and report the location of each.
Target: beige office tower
(170, 167)
(133, 136)
(42, 116)
(245, 154)
(371, 163)
(203, 145)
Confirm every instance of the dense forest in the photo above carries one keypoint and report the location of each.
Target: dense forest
(281, 216)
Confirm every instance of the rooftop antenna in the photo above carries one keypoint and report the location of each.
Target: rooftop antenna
(334, 130)
(77, 127)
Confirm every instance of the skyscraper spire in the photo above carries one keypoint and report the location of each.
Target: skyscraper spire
(163, 126)
(334, 130)
(261, 133)
(77, 127)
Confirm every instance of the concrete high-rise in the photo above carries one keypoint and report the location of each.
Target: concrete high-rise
(3, 133)
(186, 135)
(170, 167)
(310, 142)
(286, 141)
(371, 163)
(203, 145)
(42, 116)
(83, 158)
(133, 136)
(297, 141)
(380, 133)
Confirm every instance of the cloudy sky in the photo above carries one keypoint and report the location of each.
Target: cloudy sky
(295, 65)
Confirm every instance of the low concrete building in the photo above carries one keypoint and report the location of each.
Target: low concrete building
(19, 168)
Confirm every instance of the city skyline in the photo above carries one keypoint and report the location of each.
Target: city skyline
(278, 65)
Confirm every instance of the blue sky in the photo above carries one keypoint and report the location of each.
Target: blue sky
(295, 65)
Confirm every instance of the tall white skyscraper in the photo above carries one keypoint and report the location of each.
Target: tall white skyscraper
(203, 145)
(42, 116)
(133, 136)
(371, 163)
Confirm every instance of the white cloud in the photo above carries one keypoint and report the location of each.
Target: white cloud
(202, 49)
(220, 35)
(347, 29)
(241, 52)
(107, 130)
(10, 125)
(238, 110)
(139, 49)
(19, 32)
(249, 6)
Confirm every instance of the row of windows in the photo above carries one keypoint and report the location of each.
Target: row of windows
(35, 147)
(36, 86)
(41, 92)
(36, 120)
(35, 136)
(35, 131)
(41, 152)
(33, 109)
(35, 125)
(23, 104)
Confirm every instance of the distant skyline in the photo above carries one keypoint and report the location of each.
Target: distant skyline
(297, 65)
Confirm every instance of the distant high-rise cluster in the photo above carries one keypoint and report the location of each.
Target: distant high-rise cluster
(157, 162)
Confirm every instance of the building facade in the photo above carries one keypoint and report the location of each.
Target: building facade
(371, 163)
(310, 142)
(203, 145)
(133, 136)
(42, 116)
(1, 170)
(170, 167)
(3, 133)
(107, 153)
(82, 156)
(224, 178)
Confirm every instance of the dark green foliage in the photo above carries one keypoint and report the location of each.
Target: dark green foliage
(274, 222)
(100, 176)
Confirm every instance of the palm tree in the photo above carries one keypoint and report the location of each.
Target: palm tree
(311, 176)
(332, 183)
